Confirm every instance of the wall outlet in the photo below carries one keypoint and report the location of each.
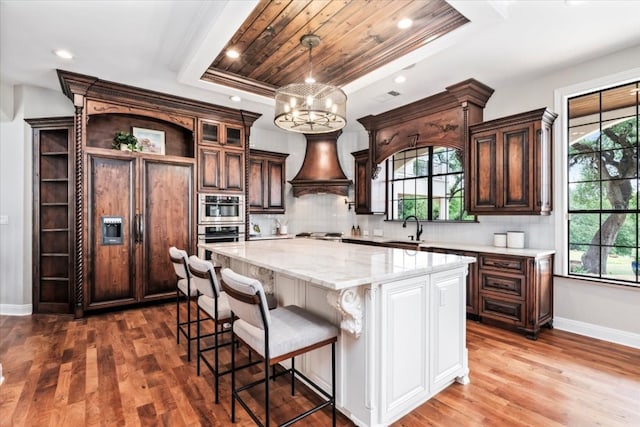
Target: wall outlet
(4, 219)
(377, 232)
(365, 232)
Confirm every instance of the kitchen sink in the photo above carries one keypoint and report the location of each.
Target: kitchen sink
(402, 244)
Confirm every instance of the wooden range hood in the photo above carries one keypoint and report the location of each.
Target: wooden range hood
(321, 171)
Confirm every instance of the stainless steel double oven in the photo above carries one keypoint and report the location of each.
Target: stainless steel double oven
(220, 219)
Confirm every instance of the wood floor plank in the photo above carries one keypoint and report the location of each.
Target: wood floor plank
(125, 368)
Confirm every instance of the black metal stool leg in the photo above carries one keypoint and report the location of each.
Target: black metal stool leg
(333, 384)
(188, 326)
(266, 390)
(178, 316)
(199, 339)
(293, 369)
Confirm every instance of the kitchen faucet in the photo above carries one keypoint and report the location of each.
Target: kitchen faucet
(418, 226)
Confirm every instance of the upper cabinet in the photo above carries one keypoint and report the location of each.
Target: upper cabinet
(370, 188)
(216, 133)
(221, 157)
(267, 174)
(509, 166)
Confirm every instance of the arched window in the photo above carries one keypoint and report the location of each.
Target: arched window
(427, 182)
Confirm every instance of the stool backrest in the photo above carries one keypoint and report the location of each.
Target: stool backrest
(180, 260)
(204, 276)
(246, 298)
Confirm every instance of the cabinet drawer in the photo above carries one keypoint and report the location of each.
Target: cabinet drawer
(511, 264)
(512, 285)
(503, 310)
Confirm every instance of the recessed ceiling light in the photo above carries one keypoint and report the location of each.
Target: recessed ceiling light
(235, 98)
(64, 54)
(400, 79)
(232, 53)
(404, 23)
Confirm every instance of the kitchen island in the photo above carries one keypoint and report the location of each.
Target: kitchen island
(401, 314)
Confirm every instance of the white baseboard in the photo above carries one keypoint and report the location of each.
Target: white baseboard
(16, 309)
(617, 336)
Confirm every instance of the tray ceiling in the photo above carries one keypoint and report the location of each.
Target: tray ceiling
(357, 37)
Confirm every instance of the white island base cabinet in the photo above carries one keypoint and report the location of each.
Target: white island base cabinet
(401, 342)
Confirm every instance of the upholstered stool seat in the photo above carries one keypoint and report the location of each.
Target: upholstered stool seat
(291, 329)
(276, 335)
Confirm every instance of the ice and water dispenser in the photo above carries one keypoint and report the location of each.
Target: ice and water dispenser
(112, 230)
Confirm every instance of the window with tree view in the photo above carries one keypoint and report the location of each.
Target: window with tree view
(603, 184)
(428, 183)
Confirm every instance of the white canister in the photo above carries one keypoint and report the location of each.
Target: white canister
(515, 239)
(500, 240)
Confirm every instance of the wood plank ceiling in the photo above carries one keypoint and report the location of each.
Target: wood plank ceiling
(612, 99)
(357, 37)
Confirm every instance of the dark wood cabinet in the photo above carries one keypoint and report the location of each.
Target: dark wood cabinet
(221, 170)
(509, 165)
(221, 157)
(53, 207)
(267, 175)
(222, 134)
(370, 188)
(516, 291)
(153, 197)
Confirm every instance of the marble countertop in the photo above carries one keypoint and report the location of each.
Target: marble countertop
(270, 236)
(336, 265)
(527, 252)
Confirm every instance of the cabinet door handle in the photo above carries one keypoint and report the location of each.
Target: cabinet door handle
(135, 229)
(138, 228)
(141, 227)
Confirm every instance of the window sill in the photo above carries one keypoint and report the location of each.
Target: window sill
(604, 282)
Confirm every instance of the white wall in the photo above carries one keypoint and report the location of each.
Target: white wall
(16, 194)
(599, 310)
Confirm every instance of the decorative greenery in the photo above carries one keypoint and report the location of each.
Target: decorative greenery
(125, 138)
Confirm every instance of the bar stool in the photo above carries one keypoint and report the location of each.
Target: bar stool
(180, 260)
(215, 305)
(276, 335)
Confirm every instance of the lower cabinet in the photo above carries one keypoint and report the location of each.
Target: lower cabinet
(136, 208)
(517, 291)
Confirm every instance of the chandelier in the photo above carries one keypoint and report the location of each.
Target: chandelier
(310, 107)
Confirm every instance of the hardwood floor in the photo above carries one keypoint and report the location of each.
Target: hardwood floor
(125, 368)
